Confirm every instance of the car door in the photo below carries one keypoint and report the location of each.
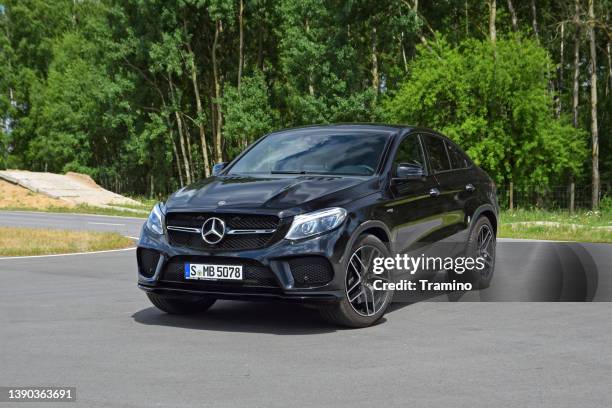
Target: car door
(453, 185)
(466, 183)
(414, 207)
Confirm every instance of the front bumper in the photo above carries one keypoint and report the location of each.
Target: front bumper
(276, 258)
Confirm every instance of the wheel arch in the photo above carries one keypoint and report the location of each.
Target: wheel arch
(488, 211)
(377, 228)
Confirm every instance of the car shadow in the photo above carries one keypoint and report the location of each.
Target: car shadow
(248, 317)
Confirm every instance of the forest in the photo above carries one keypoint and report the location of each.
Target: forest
(145, 96)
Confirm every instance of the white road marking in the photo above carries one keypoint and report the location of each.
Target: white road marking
(536, 240)
(69, 213)
(73, 254)
(104, 223)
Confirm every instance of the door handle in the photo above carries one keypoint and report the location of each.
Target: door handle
(470, 187)
(434, 192)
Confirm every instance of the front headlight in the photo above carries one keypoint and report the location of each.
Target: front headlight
(154, 222)
(318, 222)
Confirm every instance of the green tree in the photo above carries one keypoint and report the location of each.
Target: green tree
(494, 101)
(248, 114)
(78, 113)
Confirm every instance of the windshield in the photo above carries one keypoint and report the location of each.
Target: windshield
(314, 152)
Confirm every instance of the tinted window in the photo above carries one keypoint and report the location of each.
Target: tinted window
(314, 152)
(457, 158)
(409, 152)
(437, 153)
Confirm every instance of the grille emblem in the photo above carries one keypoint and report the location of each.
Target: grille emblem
(213, 230)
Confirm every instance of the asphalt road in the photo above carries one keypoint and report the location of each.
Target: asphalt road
(80, 321)
(129, 226)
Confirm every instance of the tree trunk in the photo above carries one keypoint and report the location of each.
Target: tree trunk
(513, 16)
(534, 21)
(179, 125)
(492, 14)
(310, 76)
(241, 44)
(511, 196)
(375, 79)
(561, 64)
(576, 78)
(199, 109)
(594, 130)
(188, 141)
(404, 59)
(609, 81)
(572, 196)
(200, 112)
(219, 119)
(260, 50)
(176, 156)
(415, 10)
(467, 20)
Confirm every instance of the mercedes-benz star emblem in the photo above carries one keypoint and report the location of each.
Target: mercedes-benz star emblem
(213, 230)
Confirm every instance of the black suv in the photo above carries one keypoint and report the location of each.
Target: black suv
(302, 213)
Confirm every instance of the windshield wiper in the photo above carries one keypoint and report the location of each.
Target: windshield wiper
(291, 172)
(318, 173)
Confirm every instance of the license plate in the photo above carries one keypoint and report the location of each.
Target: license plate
(213, 272)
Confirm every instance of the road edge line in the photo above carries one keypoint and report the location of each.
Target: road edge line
(70, 213)
(68, 254)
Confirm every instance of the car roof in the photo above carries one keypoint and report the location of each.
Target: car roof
(360, 127)
(363, 127)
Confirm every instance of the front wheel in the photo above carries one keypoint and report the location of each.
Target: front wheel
(362, 305)
(180, 306)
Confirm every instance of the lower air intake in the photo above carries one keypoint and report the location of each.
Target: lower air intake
(311, 271)
(147, 261)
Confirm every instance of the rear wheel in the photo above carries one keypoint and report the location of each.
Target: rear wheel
(481, 244)
(362, 305)
(180, 306)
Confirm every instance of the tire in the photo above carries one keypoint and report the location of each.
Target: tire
(358, 314)
(480, 279)
(179, 306)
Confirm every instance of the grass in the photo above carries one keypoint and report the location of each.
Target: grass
(84, 209)
(146, 201)
(584, 226)
(31, 241)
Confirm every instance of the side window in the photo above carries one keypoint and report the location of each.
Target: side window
(437, 153)
(457, 158)
(409, 152)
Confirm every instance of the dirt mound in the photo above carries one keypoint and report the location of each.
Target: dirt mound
(83, 178)
(72, 187)
(14, 196)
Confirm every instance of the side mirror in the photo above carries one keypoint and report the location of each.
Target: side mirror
(218, 167)
(405, 171)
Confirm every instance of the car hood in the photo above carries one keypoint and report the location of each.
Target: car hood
(273, 192)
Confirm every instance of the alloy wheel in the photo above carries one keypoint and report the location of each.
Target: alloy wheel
(486, 249)
(360, 278)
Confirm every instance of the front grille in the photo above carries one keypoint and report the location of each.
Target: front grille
(254, 273)
(195, 241)
(147, 261)
(310, 271)
(232, 222)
